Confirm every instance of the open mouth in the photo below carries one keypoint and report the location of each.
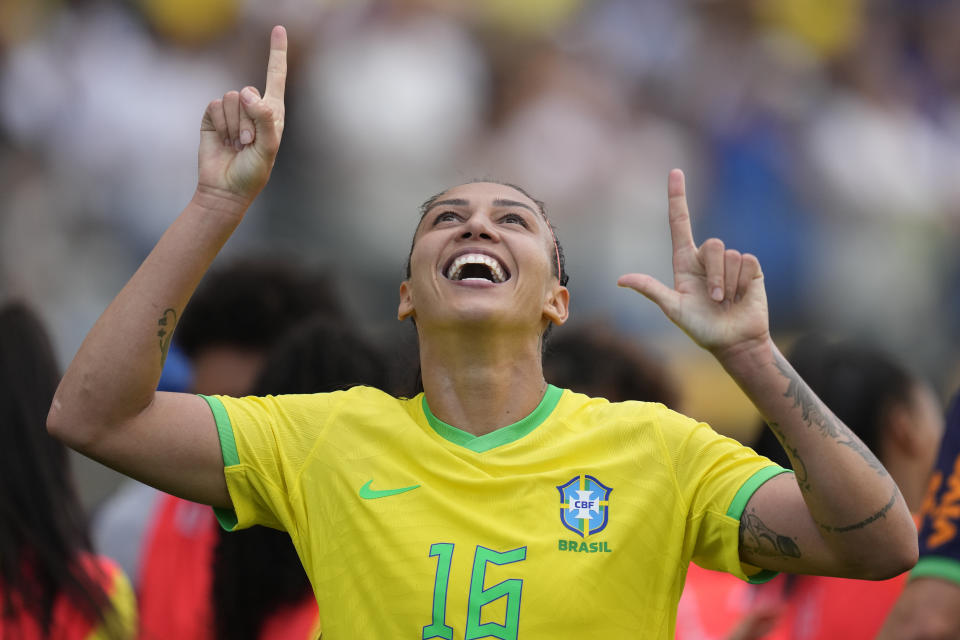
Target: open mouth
(476, 266)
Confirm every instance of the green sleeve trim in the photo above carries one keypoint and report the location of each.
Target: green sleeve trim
(228, 445)
(937, 567)
(750, 487)
(228, 449)
(227, 518)
(502, 436)
(764, 576)
(739, 503)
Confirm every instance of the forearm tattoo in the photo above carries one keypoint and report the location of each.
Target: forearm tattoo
(860, 525)
(799, 466)
(759, 539)
(166, 323)
(854, 443)
(815, 413)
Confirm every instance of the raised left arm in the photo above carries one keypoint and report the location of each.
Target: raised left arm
(841, 513)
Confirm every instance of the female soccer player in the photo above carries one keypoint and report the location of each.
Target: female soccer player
(493, 504)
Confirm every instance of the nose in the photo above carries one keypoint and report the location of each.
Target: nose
(479, 226)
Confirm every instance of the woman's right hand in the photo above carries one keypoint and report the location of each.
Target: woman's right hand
(240, 135)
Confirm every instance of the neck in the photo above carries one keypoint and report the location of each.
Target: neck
(482, 381)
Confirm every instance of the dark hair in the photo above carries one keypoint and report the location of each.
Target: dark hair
(560, 263)
(858, 383)
(256, 571)
(43, 530)
(250, 304)
(597, 361)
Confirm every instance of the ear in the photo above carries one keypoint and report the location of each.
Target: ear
(900, 430)
(405, 310)
(557, 306)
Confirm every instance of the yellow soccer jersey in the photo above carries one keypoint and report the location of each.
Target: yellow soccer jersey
(579, 521)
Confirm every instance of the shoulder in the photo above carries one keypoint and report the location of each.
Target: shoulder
(298, 406)
(631, 412)
(650, 423)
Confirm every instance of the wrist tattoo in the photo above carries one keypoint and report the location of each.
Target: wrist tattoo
(759, 539)
(166, 323)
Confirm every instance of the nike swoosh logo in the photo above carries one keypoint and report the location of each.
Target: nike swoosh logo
(372, 494)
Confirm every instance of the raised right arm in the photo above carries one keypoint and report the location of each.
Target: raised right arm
(107, 406)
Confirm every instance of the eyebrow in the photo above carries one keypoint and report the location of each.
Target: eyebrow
(455, 202)
(499, 202)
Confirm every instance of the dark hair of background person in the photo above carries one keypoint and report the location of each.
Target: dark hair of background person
(43, 530)
(250, 303)
(857, 381)
(256, 571)
(597, 361)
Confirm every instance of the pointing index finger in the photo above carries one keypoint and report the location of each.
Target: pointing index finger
(277, 64)
(680, 230)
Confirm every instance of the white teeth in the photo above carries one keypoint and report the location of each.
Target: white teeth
(496, 271)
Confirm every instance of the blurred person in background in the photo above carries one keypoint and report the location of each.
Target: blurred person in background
(597, 361)
(51, 583)
(260, 590)
(380, 493)
(240, 311)
(897, 415)
(929, 607)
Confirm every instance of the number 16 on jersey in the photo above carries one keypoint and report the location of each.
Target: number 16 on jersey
(478, 596)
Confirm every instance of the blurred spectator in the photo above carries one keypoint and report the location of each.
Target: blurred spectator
(51, 583)
(597, 361)
(929, 607)
(898, 417)
(885, 172)
(239, 312)
(393, 95)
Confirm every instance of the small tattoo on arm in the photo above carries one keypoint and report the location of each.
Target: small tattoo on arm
(166, 323)
(758, 539)
(799, 466)
(863, 523)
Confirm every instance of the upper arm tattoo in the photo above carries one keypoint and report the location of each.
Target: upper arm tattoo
(759, 539)
(166, 323)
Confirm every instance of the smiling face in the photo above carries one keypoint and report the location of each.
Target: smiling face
(483, 253)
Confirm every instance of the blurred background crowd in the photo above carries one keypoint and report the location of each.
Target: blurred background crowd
(821, 135)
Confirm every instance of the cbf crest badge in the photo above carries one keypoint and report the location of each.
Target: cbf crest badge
(584, 505)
